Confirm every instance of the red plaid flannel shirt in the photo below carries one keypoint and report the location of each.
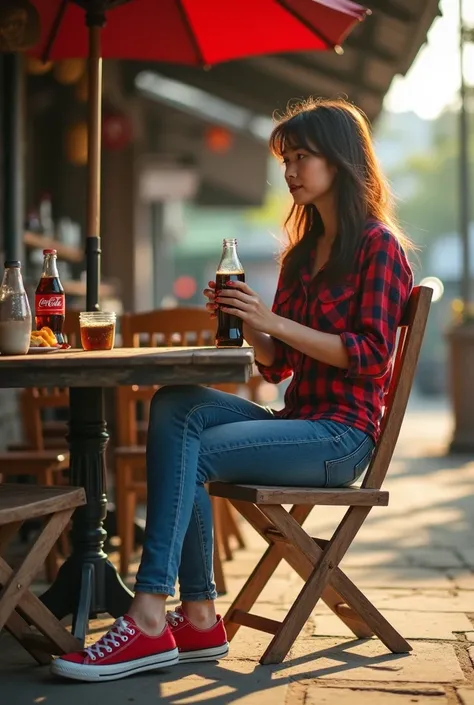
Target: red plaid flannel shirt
(365, 310)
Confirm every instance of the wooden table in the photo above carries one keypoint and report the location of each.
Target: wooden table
(87, 583)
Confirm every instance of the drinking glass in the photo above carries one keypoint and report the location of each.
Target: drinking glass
(97, 330)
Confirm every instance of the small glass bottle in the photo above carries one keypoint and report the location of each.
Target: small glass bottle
(15, 313)
(229, 327)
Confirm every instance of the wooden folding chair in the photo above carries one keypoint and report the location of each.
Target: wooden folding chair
(20, 609)
(316, 560)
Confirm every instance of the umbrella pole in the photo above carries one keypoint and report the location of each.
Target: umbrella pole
(93, 250)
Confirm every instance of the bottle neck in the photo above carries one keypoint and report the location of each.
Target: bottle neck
(12, 281)
(50, 266)
(230, 261)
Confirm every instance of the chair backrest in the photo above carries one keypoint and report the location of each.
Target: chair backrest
(161, 327)
(167, 327)
(412, 328)
(33, 401)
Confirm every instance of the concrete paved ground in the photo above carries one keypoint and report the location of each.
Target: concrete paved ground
(414, 559)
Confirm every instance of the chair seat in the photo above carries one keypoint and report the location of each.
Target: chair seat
(340, 496)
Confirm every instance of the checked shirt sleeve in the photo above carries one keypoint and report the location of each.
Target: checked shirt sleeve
(280, 369)
(387, 285)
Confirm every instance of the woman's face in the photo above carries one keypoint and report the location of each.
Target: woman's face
(309, 176)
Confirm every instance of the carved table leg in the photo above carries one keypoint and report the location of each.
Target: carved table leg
(87, 583)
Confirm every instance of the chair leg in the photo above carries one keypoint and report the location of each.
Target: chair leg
(230, 523)
(45, 477)
(306, 601)
(264, 569)
(218, 569)
(349, 603)
(128, 532)
(51, 565)
(222, 526)
(64, 545)
(341, 595)
(125, 501)
(324, 565)
(217, 556)
(21, 631)
(121, 483)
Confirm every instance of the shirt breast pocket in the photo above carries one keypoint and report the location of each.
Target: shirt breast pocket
(283, 303)
(335, 308)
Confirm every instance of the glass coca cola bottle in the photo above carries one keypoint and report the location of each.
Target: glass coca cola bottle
(229, 327)
(50, 306)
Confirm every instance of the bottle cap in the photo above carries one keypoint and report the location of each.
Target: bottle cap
(12, 263)
(50, 252)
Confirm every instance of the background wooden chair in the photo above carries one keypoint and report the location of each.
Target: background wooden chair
(19, 608)
(165, 327)
(316, 560)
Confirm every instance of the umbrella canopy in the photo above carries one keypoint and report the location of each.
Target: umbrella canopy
(195, 32)
(198, 32)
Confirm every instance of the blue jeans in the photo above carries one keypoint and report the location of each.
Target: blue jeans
(197, 435)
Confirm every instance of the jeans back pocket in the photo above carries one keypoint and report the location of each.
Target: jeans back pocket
(343, 472)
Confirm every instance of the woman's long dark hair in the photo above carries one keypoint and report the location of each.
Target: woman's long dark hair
(339, 132)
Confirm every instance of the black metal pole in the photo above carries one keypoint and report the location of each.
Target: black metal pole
(464, 173)
(12, 181)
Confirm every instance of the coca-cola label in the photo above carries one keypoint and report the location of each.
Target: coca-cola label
(50, 304)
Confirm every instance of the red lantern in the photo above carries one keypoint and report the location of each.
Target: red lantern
(116, 131)
(218, 139)
(184, 287)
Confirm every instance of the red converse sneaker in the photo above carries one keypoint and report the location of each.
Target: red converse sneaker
(123, 651)
(196, 644)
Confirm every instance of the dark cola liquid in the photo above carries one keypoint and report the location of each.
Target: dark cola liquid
(229, 327)
(98, 336)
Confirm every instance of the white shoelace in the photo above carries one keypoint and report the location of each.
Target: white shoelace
(120, 630)
(174, 618)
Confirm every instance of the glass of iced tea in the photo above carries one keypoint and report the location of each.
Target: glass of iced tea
(97, 330)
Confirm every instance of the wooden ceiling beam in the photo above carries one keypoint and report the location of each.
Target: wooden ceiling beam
(393, 9)
(304, 72)
(360, 44)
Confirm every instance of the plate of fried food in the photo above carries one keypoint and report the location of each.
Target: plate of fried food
(44, 341)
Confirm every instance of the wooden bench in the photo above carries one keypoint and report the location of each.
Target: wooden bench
(317, 560)
(20, 609)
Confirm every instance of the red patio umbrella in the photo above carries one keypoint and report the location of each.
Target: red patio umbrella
(194, 32)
